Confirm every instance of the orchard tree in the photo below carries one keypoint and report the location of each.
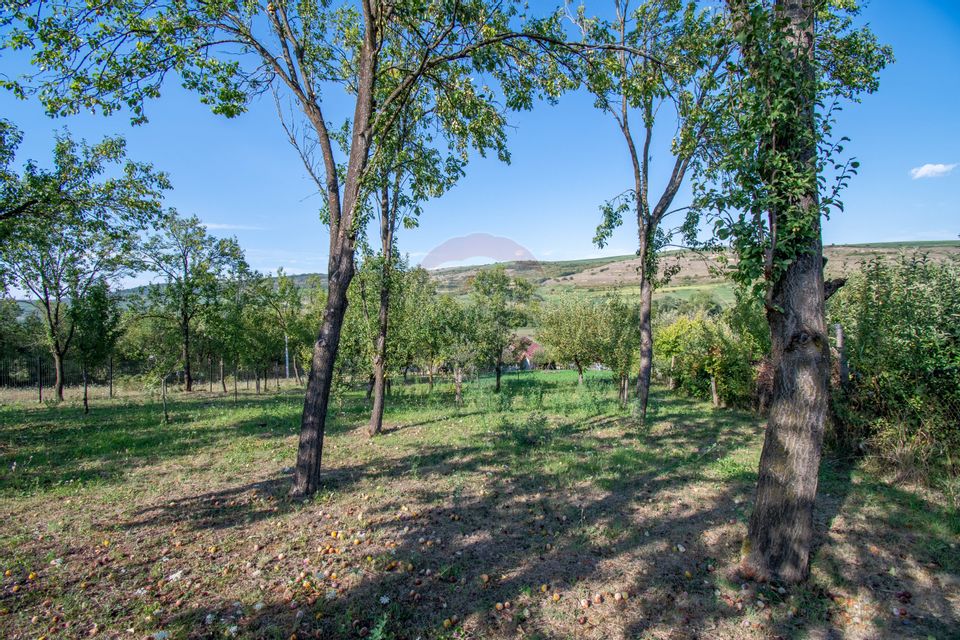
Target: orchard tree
(667, 69)
(83, 228)
(191, 265)
(380, 53)
(456, 339)
(619, 341)
(500, 307)
(568, 327)
(95, 316)
(774, 175)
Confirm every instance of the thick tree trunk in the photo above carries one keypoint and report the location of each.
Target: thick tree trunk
(780, 532)
(320, 380)
(59, 381)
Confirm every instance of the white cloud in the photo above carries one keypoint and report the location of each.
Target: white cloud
(931, 171)
(217, 226)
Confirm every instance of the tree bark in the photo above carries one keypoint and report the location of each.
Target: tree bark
(383, 317)
(714, 396)
(780, 532)
(59, 381)
(646, 341)
(187, 375)
(458, 385)
(86, 404)
(223, 381)
(320, 380)
(579, 371)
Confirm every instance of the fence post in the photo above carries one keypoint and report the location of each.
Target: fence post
(841, 350)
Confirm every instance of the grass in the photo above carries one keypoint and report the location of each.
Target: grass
(132, 527)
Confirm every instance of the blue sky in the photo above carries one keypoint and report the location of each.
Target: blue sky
(242, 178)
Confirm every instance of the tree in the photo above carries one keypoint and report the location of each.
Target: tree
(455, 338)
(669, 62)
(95, 317)
(83, 228)
(191, 264)
(768, 186)
(568, 327)
(381, 53)
(619, 340)
(499, 308)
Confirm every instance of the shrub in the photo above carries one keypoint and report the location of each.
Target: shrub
(695, 349)
(902, 325)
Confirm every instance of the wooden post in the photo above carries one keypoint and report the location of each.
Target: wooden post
(842, 351)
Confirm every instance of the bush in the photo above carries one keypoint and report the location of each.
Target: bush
(902, 325)
(694, 349)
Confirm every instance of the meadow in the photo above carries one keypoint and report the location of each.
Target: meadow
(545, 511)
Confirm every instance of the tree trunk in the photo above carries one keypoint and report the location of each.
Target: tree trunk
(714, 396)
(496, 389)
(430, 379)
(187, 375)
(276, 373)
(210, 369)
(458, 385)
(781, 527)
(163, 396)
(320, 380)
(236, 376)
(296, 370)
(110, 375)
(86, 404)
(59, 381)
(223, 381)
(39, 380)
(579, 372)
(256, 375)
(646, 333)
(383, 318)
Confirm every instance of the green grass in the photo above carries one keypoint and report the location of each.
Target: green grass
(547, 482)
